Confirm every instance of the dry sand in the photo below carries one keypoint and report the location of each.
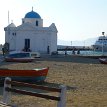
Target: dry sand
(85, 78)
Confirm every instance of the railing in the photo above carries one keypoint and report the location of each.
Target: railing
(8, 89)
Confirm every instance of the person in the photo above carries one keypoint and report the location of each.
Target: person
(3, 51)
(65, 52)
(48, 49)
(78, 52)
(73, 51)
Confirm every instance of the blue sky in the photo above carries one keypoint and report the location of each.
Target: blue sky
(74, 19)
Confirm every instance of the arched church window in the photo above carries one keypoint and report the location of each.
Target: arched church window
(36, 23)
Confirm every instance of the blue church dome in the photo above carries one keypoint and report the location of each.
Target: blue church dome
(32, 14)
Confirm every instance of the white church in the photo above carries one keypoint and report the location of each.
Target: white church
(31, 35)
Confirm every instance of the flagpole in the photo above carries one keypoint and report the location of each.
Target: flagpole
(8, 17)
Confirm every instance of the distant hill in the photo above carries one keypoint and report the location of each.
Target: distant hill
(87, 42)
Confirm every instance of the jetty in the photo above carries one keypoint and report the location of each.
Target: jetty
(76, 48)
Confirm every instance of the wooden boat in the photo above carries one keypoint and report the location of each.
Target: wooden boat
(19, 57)
(35, 75)
(103, 60)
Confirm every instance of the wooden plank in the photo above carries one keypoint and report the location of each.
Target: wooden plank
(33, 86)
(32, 94)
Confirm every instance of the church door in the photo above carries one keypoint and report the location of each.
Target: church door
(27, 44)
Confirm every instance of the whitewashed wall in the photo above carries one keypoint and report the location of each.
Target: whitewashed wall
(40, 37)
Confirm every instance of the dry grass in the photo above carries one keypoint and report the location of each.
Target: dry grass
(86, 81)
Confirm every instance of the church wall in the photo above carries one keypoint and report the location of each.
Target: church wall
(8, 34)
(33, 21)
(36, 42)
(19, 41)
(39, 41)
(53, 42)
(10, 38)
(6, 37)
(22, 35)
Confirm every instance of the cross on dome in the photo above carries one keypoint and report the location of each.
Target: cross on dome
(32, 8)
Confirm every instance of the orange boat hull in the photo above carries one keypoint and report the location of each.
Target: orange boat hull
(36, 72)
(30, 75)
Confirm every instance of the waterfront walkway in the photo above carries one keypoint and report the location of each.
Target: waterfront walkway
(70, 48)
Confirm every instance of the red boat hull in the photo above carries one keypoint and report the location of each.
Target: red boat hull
(23, 75)
(35, 72)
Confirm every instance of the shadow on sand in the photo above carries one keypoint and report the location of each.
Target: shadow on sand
(61, 58)
(69, 58)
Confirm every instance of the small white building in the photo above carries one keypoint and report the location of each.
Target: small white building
(31, 35)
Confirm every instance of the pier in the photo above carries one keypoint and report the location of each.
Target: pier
(76, 48)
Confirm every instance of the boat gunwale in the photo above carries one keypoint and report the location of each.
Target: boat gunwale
(34, 72)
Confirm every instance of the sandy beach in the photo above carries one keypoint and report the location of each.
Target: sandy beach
(85, 78)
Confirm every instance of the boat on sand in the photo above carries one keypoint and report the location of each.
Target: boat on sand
(103, 60)
(35, 75)
(19, 57)
(25, 59)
